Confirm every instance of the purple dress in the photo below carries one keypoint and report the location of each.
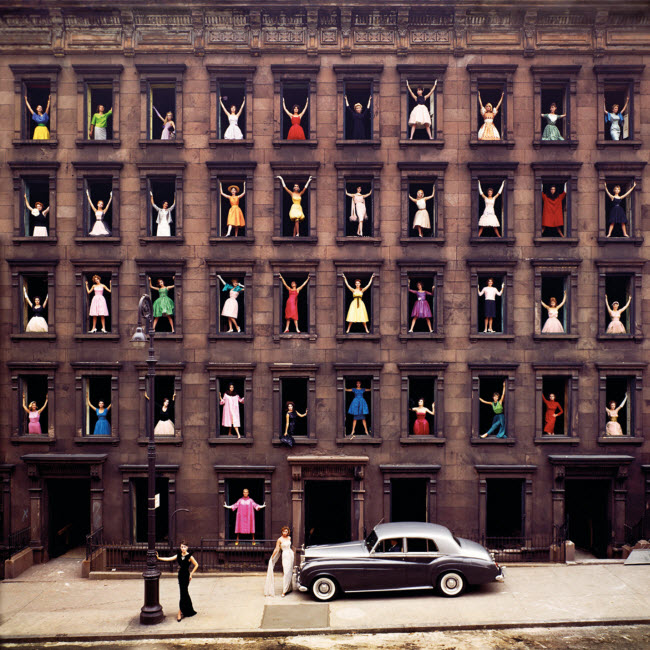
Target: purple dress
(421, 307)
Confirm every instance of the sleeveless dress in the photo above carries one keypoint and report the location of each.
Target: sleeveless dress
(357, 312)
(233, 132)
(420, 116)
(552, 324)
(551, 132)
(422, 215)
(489, 218)
(616, 212)
(39, 221)
(296, 131)
(615, 325)
(613, 428)
(359, 407)
(98, 305)
(102, 426)
(291, 308)
(615, 123)
(41, 132)
(37, 323)
(185, 602)
(235, 215)
(488, 131)
(163, 305)
(291, 429)
(358, 208)
(421, 425)
(167, 132)
(296, 213)
(287, 568)
(164, 425)
(163, 220)
(34, 422)
(99, 229)
(231, 306)
(552, 213)
(421, 307)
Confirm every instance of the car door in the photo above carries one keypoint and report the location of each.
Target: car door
(385, 566)
(419, 555)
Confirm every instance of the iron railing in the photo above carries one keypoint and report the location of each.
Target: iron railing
(15, 542)
(228, 555)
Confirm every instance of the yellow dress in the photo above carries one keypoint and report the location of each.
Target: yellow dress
(357, 312)
(296, 213)
(41, 132)
(235, 215)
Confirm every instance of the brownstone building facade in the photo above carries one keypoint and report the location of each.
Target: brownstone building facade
(182, 57)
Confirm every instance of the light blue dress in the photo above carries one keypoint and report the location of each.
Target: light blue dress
(359, 406)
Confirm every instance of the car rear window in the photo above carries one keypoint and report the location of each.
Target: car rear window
(420, 545)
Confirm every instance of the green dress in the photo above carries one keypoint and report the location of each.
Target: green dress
(551, 132)
(164, 305)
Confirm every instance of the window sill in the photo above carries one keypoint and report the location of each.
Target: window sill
(42, 439)
(298, 440)
(159, 440)
(52, 142)
(619, 337)
(474, 144)
(422, 440)
(491, 440)
(232, 336)
(97, 240)
(233, 240)
(178, 143)
(620, 440)
(220, 142)
(34, 336)
(178, 240)
(355, 239)
(539, 143)
(487, 336)
(556, 440)
(415, 336)
(375, 143)
(231, 440)
(568, 241)
(605, 144)
(308, 239)
(97, 336)
(96, 440)
(436, 241)
(295, 143)
(606, 241)
(359, 336)
(34, 240)
(168, 336)
(287, 336)
(555, 337)
(359, 439)
(491, 241)
(98, 143)
(436, 143)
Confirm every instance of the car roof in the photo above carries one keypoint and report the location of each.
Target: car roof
(412, 528)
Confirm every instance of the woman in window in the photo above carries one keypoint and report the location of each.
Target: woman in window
(99, 229)
(360, 119)
(551, 132)
(38, 218)
(163, 305)
(184, 558)
(296, 132)
(99, 123)
(499, 420)
(37, 322)
(235, 215)
(164, 422)
(245, 520)
(553, 209)
(617, 212)
(489, 218)
(488, 131)
(230, 401)
(421, 219)
(290, 424)
(421, 424)
(615, 119)
(169, 127)
(552, 324)
(233, 132)
(490, 292)
(291, 307)
(231, 306)
(98, 305)
(357, 312)
(358, 211)
(102, 426)
(164, 218)
(41, 132)
(421, 307)
(282, 547)
(295, 213)
(616, 325)
(34, 415)
(420, 116)
(358, 408)
(613, 428)
(553, 411)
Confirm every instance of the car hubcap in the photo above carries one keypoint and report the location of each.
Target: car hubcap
(452, 583)
(323, 588)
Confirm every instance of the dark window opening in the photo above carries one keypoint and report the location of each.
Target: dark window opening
(408, 499)
(303, 303)
(626, 204)
(358, 92)
(428, 283)
(294, 389)
(491, 93)
(554, 95)
(164, 191)
(587, 507)
(37, 190)
(420, 545)
(38, 93)
(489, 229)
(295, 94)
(618, 94)
(231, 94)
(558, 387)
(231, 302)
(618, 288)
(554, 286)
(287, 201)
(561, 185)
(162, 98)
(351, 383)
(233, 492)
(328, 512)
(34, 389)
(420, 133)
(430, 205)
(163, 325)
(421, 388)
(354, 211)
(98, 389)
(96, 95)
(498, 320)
(617, 388)
(35, 286)
(224, 205)
(95, 322)
(140, 492)
(504, 513)
(164, 388)
(488, 388)
(100, 192)
(367, 298)
(68, 514)
(223, 385)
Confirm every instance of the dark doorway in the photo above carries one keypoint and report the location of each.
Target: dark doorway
(504, 516)
(68, 514)
(587, 514)
(327, 512)
(408, 499)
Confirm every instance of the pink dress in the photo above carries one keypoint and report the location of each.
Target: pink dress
(34, 422)
(245, 522)
(291, 308)
(230, 413)
(98, 306)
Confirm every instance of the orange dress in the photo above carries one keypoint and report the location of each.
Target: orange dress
(235, 215)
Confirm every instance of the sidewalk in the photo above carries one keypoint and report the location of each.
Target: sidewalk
(49, 602)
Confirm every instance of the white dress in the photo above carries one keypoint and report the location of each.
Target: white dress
(99, 229)
(163, 221)
(233, 132)
(421, 216)
(552, 324)
(358, 208)
(287, 569)
(615, 325)
(231, 306)
(489, 217)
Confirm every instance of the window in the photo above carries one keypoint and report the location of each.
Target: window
(556, 393)
(420, 313)
(140, 511)
(422, 381)
(354, 407)
(234, 490)
(232, 416)
(410, 492)
(223, 417)
(231, 308)
(359, 203)
(493, 407)
(619, 283)
(358, 314)
(556, 286)
(162, 182)
(35, 393)
(167, 403)
(304, 277)
(97, 288)
(620, 404)
(97, 415)
(491, 84)
(499, 310)
(33, 388)
(38, 315)
(167, 279)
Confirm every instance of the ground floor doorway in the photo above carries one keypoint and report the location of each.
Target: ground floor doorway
(408, 499)
(587, 508)
(328, 512)
(68, 514)
(504, 511)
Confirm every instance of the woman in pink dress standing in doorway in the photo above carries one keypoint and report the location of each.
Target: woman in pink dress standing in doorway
(245, 522)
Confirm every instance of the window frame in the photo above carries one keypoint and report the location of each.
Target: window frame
(397, 471)
(226, 268)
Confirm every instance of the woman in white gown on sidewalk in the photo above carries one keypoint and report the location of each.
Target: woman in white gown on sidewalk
(283, 547)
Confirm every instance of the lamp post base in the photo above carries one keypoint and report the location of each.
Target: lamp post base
(152, 611)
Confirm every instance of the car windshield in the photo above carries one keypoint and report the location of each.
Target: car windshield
(371, 540)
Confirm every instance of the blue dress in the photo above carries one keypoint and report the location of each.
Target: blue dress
(359, 406)
(102, 426)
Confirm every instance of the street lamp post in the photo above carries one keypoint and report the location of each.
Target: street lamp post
(151, 612)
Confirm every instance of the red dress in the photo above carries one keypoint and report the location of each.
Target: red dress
(552, 215)
(295, 132)
(549, 418)
(291, 308)
(421, 425)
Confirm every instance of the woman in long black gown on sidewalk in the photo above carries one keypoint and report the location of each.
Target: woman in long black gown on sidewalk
(184, 558)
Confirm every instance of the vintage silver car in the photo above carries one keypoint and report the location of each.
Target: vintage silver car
(396, 557)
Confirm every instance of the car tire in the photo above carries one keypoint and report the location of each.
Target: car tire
(451, 584)
(324, 589)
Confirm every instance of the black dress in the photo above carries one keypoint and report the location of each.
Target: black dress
(617, 213)
(359, 120)
(185, 603)
(288, 439)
